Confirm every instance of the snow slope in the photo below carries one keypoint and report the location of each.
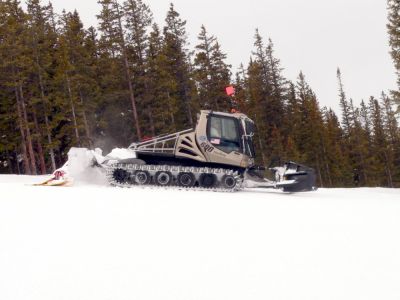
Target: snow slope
(94, 242)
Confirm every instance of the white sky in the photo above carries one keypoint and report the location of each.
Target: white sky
(315, 36)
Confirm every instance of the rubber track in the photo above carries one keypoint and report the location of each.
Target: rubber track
(152, 169)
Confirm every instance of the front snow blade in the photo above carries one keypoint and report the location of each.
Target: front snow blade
(297, 178)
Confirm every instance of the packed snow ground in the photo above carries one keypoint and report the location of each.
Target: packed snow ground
(94, 242)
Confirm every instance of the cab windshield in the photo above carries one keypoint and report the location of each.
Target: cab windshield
(223, 133)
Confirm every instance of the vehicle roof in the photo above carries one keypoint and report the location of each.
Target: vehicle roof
(237, 115)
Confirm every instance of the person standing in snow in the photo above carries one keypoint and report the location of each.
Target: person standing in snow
(356, 178)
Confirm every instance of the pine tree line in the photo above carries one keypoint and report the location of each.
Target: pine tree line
(62, 85)
(393, 27)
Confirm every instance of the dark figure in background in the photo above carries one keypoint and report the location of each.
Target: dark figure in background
(356, 178)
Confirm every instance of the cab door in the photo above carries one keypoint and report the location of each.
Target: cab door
(223, 132)
(221, 140)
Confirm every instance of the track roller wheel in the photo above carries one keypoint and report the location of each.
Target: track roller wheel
(208, 180)
(228, 182)
(186, 180)
(163, 178)
(142, 177)
(121, 176)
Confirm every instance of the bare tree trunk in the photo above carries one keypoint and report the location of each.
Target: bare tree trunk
(363, 166)
(71, 100)
(60, 158)
(390, 180)
(319, 172)
(50, 141)
(22, 133)
(28, 131)
(149, 111)
(188, 108)
(171, 112)
(152, 128)
(25, 157)
(164, 119)
(18, 168)
(132, 98)
(85, 121)
(388, 171)
(10, 169)
(261, 144)
(39, 144)
(328, 171)
(128, 76)
(46, 118)
(262, 150)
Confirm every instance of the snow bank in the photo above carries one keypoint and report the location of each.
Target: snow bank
(120, 153)
(83, 164)
(80, 166)
(99, 243)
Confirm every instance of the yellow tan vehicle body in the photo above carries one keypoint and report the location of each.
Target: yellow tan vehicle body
(199, 146)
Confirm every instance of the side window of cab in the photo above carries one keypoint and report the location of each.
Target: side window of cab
(223, 133)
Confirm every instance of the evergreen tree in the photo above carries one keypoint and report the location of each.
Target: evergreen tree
(365, 119)
(159, 82)
(268, 100)
(390, 120)
(334, 155)
(241, 93)
(392, 133)
(383, 166)
(138, 20)
(310, 137)
(356, 141)
(366, 134)
(15, 66)
(114, 42)
(75, 77)
(346, 119)
(42, 42)
(212, 74)
(278, 85)
(178, 66)
(359, 143)
(292, 126)
(203, 69)
(394, 40)
(222, 78)
(256, 104)
(9, 138)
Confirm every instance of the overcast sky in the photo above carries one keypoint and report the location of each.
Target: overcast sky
(315, 36)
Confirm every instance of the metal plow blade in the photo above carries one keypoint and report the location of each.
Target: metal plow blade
(294, 177)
